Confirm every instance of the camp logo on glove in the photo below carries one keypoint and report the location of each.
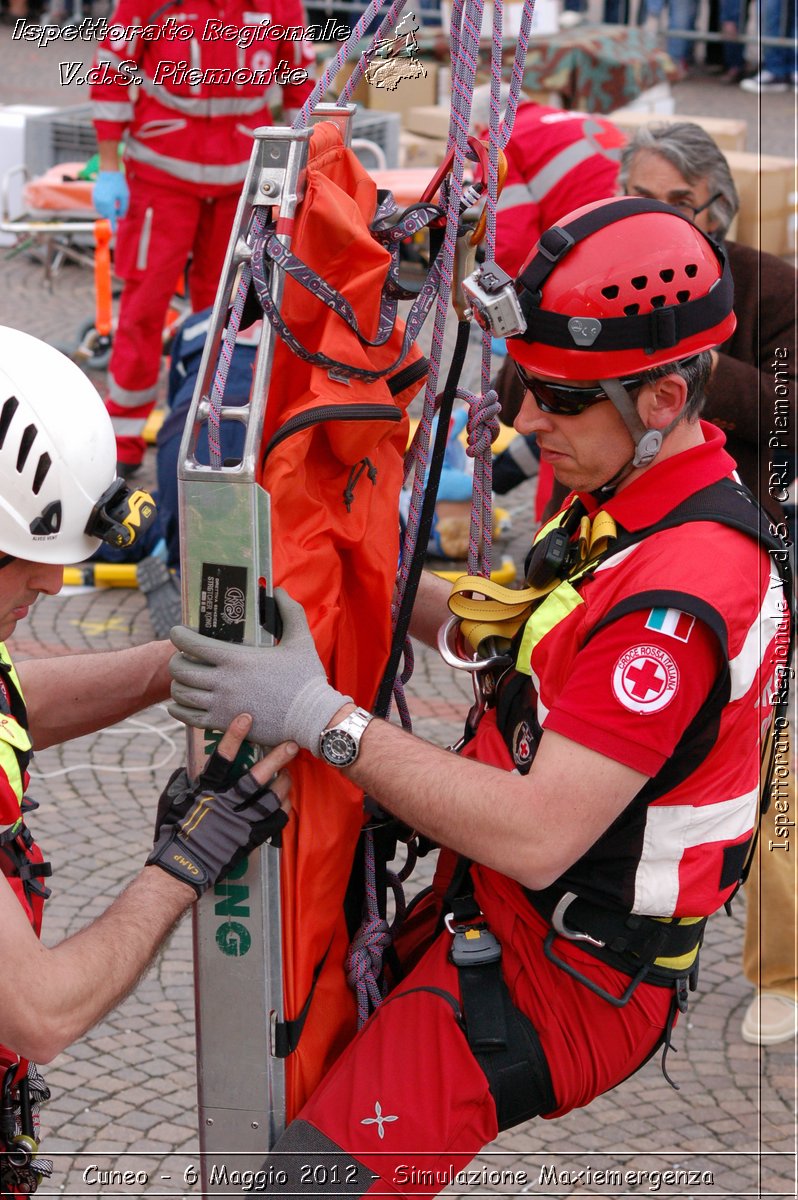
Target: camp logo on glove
(184, 866)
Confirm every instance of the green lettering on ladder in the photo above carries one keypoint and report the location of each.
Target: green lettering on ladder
(234, 900)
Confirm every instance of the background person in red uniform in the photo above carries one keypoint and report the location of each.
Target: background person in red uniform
(187, 139)
(556, 161)
(611, 789)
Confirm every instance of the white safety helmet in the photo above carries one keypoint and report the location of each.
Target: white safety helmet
(59, 495)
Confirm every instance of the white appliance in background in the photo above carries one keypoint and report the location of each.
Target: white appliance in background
(12, 154)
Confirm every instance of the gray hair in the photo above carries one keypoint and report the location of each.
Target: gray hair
(695, 372)
(480, 104)
(696, 156)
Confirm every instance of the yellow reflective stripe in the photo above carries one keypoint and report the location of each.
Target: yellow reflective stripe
(9, 766)
(678, 964)
(6, 659)
(558, 605)
(680, 920)
(12, 732)
(12, 735)
(684, 961)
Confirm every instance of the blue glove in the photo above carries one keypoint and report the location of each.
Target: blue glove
(111, 195)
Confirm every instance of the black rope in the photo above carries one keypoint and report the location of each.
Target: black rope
(383, 701)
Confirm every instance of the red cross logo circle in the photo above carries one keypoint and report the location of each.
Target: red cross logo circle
(645, 678)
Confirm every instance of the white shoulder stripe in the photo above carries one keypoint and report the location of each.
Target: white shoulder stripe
(673, 828)
(745, 665)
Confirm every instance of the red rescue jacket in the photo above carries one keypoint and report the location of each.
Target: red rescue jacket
(186, 83)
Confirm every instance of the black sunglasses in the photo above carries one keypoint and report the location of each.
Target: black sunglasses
(567, 401)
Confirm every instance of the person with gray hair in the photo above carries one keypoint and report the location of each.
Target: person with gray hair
(681, 164)
(696, 156)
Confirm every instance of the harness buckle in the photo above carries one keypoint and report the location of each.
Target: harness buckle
(473, 945)
(558, 922)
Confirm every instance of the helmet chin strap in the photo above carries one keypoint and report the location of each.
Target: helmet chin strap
(647, 442)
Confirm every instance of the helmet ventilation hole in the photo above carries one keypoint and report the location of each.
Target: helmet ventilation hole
(657, 301)
(6, 416)
(45, 462)
(610, 292)
(639, 282)
(26, 441)
(682, 297)
(632, 310)
(691, 270)
(667, 275)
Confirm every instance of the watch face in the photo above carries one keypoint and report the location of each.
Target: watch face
(339, 747)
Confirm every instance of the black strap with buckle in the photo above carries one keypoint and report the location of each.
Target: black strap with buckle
(502, 1038)
(477, 955)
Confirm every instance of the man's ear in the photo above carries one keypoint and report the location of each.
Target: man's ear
(662, 401)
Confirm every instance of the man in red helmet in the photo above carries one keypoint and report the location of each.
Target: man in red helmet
(605, 804)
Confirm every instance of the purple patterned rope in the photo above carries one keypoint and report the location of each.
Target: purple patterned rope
(329, 74)
(465, 48)
(364, 960)
(483, 428)
(226, 352)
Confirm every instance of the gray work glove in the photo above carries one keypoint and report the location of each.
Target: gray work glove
(205, 829)
(284, 687)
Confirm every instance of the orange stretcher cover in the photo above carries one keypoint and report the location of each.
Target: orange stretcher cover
(60, 190)
(339, 558)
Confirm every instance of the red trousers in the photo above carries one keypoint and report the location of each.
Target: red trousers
(164, 224)
(409, 1104)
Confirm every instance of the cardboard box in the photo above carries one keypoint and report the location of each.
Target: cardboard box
(729, 132)
(416, 151)
(766, 187)
(655, 104)
(407, 94)
(430, 120)
(545, 18)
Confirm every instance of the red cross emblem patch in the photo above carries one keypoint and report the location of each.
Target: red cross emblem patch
(645, 679)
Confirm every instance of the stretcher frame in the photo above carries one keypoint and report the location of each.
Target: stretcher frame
(225, 541)
(51, 229)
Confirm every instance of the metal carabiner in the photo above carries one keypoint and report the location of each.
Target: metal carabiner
(477, 153)
(448, 652)
(559, 926)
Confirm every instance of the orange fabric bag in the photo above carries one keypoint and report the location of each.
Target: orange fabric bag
(334, 483)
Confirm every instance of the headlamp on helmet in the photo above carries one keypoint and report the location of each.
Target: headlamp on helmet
(120, 516)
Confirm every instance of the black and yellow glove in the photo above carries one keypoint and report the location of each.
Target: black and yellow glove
(203, 830)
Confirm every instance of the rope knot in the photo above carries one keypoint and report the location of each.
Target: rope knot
(483, 423)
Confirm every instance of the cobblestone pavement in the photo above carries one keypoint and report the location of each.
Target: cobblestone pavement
(124, 1096)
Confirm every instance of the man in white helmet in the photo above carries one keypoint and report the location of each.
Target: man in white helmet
(59, 497)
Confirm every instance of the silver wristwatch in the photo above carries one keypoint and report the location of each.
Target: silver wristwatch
(340, 744)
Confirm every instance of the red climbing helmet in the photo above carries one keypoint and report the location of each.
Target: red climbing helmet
(620, 286)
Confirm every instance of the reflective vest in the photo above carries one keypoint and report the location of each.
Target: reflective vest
(20, 858)
(189, 89)
(678, 849)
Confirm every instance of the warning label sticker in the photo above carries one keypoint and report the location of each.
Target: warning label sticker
(223, 602)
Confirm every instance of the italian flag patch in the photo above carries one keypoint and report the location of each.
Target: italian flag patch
(672, 622)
